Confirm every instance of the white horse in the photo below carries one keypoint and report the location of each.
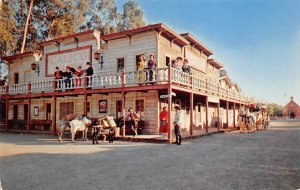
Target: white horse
(75, 125)
(80, 125)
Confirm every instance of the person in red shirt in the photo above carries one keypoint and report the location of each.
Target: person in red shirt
(163, 117)
(58, 74)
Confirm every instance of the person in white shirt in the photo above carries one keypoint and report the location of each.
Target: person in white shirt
(177, 126)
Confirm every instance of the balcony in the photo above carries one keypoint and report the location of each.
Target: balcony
(126, 79)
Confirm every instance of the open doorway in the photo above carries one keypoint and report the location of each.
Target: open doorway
(292, 115)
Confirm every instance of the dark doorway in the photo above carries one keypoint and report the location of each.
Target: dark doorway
(15, 113)
(292, 115)
(48, 111)
(25, 112)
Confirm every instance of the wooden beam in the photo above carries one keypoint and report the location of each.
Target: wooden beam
(191, 112)
(227, 117)
(29, 109)
(233, 114)
(85, 97)
(6, 109)
(123, 102)
(169, 104)
(218, 115)
(54, 115)
(206, 114)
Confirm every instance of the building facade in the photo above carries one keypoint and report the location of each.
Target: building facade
(291, 109)
(35, 101)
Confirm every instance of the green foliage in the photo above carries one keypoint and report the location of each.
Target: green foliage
(7, 29)
(133, 16)
(275, 109)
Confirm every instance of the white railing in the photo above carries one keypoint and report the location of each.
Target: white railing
(180, 77)
(107, 80)
(43, 86)
(18, 88)
(104, 80)
(2, 90)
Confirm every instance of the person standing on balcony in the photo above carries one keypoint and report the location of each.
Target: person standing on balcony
(78, 74)
(151, 66)
(58, 74)
(178, 63)
(177, 127)
(185, 67)
(68, 76)
(89, 74)
(141, 67)
(163, 117)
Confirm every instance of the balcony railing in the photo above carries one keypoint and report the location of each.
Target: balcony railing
(116, 80)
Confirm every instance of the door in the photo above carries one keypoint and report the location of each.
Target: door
(48, 111)
(66, 108)
(25, 112)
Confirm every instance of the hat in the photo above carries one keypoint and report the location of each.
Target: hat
(129, 108)
(67, 67)
(177, 107)
(56, 67)
(179, 57)
(88, 63)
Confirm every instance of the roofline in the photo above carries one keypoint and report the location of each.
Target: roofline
(215, 63)
(196, 42)
(17, 56)
(60, 39)
(159, 27)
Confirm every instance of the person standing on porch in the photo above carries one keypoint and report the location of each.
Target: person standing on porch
(151, 66)
(78, 74)
(89, 74)
(58, 74)
(141, 67)
(132, 118)
(185, 67)
(178, 63)
(163, 117)
(177, 127)
(68, 76)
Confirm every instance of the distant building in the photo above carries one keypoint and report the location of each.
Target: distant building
(292, 109)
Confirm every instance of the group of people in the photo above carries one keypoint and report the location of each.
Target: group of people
(179, 64)
(71, 72)
(163, 117)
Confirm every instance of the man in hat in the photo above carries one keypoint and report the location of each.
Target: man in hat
(68, 76)
(177, 126)
(58, 74)
(89, 74)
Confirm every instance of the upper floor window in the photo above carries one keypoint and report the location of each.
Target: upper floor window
(16, 78)
(120, 64)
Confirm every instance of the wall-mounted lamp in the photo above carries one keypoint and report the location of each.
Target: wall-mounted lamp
(35, 67)
(99, 58)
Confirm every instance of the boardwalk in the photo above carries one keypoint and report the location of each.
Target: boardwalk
(262, 160)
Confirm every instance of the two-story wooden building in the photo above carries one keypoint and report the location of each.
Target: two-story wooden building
(33, 96)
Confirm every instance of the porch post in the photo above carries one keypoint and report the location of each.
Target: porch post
(29, 109)
(123, 102)
(218, 115)
(169, 104)
(191, 112)
(227, 119)
(234, 114)
(206, 114)
(85, 97)
(6, 108)
(54, 115)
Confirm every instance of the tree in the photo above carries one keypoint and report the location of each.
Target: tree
(133, 16)
(26, 26)
(7, 29)
(275, 109)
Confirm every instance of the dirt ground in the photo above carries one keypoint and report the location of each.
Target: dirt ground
(261, 160)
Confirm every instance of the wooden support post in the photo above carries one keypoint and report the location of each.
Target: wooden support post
(227, 117)
(123, 103)
(218, 115)
(191, 112)
(170, 123)
(234, 114)
(29, 109)
(85, 97)
(54, 114)
(6, 108)
(206, 114)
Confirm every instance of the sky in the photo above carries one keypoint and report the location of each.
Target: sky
(258, 41)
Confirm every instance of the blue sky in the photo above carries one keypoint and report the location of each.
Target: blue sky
(258, 41)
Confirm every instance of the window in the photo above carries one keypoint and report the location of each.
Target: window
(119, 108)
(102, 106)
(15, 114)
(48, 111)
(26, 112)
(16, 78)
(168, 60)
(120, 65)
